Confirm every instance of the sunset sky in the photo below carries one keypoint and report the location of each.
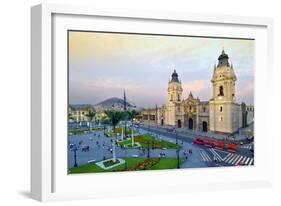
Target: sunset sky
(102, 65)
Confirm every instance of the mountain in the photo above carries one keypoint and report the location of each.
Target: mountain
(114, 103)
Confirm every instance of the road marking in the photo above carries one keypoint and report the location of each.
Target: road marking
(226, 156)
(205, 156)
(206, 159)
(250, 163)
(239, 160)
(215, 156)
(243, 160)
(229, 157)
(234, 159)
(247, 160)
(219, 157)
(202, 157)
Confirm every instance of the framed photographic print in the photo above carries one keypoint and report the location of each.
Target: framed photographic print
(133, 102)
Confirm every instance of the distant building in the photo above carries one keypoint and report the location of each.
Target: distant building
(220, 114)
(79, 113)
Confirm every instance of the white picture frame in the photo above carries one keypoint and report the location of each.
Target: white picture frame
(49, 180)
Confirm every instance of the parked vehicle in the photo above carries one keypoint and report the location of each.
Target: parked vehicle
(219, 145)
(210, 143)
(232, 147)
(199, 141)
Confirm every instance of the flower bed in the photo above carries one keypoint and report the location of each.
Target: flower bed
(145, 165)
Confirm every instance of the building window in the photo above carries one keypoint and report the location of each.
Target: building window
(204, 109)
(152, 117)
(221, 91)
(179, 98)
(220, 119)
(220, 108)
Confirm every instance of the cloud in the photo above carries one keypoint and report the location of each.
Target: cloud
(102, 65)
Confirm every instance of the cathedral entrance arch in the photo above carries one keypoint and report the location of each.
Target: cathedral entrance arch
(179, 123)
(204, 126)
(190, 123)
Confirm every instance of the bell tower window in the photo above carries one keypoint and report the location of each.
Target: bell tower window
(221, 91)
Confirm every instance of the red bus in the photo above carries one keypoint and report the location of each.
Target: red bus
(232, 147)
(209, 142)
(219, 145)
(198, 141)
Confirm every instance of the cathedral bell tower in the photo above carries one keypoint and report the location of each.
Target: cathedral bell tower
(174, 89)
(223, 106)
(173, 114)
(223, 79)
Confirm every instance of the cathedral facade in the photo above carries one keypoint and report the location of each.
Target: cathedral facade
(220, 114)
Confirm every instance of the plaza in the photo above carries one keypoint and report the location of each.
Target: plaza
(181, 152)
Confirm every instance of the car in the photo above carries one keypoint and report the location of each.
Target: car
(198, 141)
(209, 143)
(219, 145)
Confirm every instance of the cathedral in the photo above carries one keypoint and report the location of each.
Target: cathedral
(221, 114)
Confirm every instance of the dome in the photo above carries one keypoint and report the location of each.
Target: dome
(223, 59)
(223, 55)
(175, 77)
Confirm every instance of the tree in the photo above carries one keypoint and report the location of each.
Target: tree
(91, 115)
(132, 114)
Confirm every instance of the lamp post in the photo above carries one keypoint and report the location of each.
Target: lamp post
(176, 137)
(74, 148)
(126, 161)
(178, 158)
(148, 151)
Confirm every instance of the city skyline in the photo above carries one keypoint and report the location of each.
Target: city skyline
(102, 65)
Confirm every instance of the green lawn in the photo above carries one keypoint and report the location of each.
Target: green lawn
(85, 131)
(148, 140)
(92, 167)
(164, 163)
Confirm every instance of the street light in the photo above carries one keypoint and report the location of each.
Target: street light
(74, 148)
(126, 164)
(148, 147)
(176, 136)
(178, 158)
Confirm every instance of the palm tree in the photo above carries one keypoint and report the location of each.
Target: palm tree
(114, 118)
(91, 115)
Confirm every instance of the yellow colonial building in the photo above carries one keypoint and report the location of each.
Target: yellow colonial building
(220, 114)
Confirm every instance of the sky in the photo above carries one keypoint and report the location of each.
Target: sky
(102, 65)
